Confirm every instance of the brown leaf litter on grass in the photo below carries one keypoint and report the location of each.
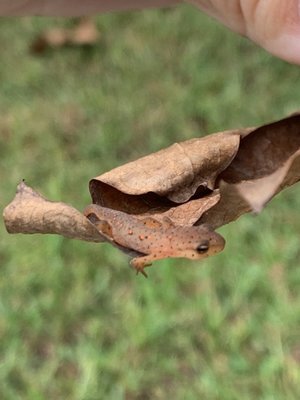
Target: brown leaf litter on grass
(85, 33)
(210, 180)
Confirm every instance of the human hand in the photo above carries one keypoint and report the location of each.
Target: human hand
(272, 24)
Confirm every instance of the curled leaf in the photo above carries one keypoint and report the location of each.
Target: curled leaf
(211, 180)
(30, 212)
(189, 212)
(267, 162)
(175, 173)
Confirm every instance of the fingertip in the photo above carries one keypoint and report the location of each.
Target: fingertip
(286, 47)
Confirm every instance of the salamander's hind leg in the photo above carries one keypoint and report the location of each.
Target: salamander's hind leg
(139, 263)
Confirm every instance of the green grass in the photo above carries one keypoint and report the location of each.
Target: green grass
(75, 321)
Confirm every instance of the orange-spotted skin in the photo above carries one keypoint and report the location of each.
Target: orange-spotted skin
(152, 239)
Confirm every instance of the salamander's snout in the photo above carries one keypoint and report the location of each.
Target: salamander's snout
(212, 244)
(216, 243)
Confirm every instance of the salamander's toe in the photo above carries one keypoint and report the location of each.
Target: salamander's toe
(142, 272)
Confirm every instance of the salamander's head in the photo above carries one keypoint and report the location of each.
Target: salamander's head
(203, 242)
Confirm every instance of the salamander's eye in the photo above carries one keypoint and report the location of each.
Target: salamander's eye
(203, 247)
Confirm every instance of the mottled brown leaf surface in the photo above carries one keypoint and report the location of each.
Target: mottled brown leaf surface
(30, 212)
(175, 173)
(267, 161)
(211, 180)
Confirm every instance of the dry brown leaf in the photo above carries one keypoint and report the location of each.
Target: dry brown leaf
(83, 34)
(267, 161)
(264, 150)
(187, 213)
(30, 212)
(211, 180)
(175, 173)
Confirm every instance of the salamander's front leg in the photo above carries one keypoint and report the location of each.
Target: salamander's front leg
(139, 263)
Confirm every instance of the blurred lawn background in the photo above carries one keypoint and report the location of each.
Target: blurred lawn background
(75, 321)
